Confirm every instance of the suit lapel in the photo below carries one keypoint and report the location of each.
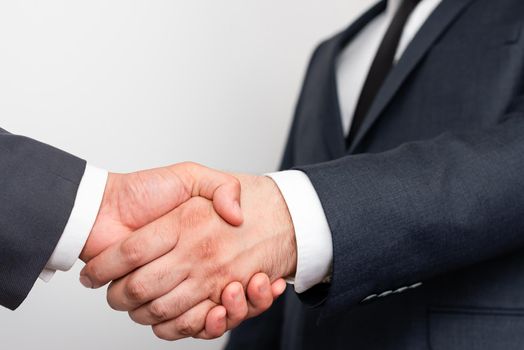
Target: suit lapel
(321, 90)
(435, 25)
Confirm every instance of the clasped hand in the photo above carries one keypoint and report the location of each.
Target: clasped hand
(183, 255)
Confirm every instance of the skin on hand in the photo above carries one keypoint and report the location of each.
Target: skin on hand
(260, 296)
(199, 254)
(133, 200)
(208, 320)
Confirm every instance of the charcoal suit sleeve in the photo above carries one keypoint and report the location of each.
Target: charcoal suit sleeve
(423, 209)
(38, 186)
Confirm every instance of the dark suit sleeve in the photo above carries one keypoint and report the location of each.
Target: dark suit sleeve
(38, 186)
(422, 209)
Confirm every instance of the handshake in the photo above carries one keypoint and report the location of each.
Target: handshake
(190, 251)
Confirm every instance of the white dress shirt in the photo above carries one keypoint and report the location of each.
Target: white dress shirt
(83, 216)
(313, 235)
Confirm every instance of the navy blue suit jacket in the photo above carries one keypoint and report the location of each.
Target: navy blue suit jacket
(430, 190)
(38, 186)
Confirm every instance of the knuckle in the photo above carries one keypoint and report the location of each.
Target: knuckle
(159, 310)
(183, 304)
(136, 290)
(218, 272)
(222, 270)
(214, 288)
(215, 279)
(207, 248)
(209, 283)
(185, 327)
(189, 164)
(161, 273)
(132, 252)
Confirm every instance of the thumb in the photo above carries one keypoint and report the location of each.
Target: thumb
(221, 188)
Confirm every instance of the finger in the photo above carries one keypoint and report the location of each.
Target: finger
(216, 324)
(234, 300)
(235, 303)
(170, 306)
(147, 244)
(147, 283)
(278, 287)
(189, 324)
(260, 295)
(223, 189)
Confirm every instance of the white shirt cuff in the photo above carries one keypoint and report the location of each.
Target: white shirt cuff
(83, 216)
(313, 236)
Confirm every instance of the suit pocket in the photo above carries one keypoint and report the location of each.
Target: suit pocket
(475, 329)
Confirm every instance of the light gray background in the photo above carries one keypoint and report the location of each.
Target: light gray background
(138, 84)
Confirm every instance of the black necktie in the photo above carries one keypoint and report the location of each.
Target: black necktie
(381, 65)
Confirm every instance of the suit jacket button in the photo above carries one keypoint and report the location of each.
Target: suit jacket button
(368, 298)
(385, 294)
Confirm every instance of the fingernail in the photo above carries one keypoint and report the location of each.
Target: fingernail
(86, 282)
(262, 289)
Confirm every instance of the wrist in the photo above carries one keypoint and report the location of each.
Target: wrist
(93, 244)
(283, 224)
